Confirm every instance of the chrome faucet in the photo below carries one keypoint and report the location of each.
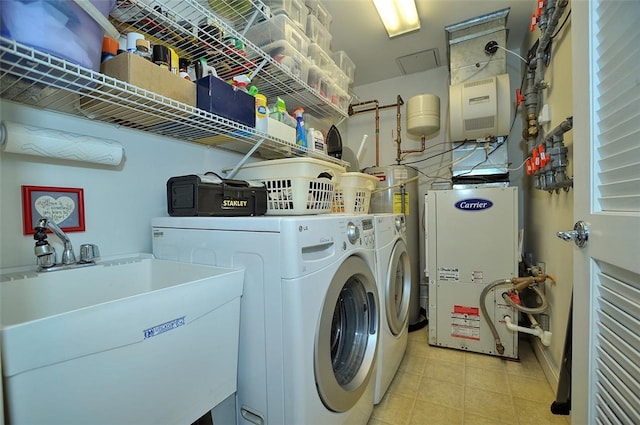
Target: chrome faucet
(46, 254)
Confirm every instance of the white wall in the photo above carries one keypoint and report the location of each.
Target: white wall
(119, 201)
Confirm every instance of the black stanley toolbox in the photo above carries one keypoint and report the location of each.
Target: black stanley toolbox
(211, 195)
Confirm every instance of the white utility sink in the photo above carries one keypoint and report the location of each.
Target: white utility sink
(133, 340)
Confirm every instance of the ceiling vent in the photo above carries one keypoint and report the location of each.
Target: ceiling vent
(419, 61)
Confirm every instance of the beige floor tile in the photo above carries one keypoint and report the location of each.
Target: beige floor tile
(412, 363)
(447, 354)
(444, 371)
(484, 361)
(427, 413)
(537, 413)
(394, 409)
(420, 335)
(446, 394)
(473, 419)
(489, 404)
(487, 379)
(531, 389)
(457, 387)
(526, 368)
(374, 421)
(405, 384)
(418, 348)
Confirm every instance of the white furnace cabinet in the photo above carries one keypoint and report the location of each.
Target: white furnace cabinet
(472, 241)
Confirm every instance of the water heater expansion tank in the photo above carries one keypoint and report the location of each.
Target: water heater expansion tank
(423, 115)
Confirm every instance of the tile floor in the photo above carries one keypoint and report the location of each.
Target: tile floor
(443, 386)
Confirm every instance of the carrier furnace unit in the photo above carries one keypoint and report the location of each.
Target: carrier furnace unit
(472, 241)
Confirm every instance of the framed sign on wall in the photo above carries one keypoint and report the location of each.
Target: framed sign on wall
(62, 205)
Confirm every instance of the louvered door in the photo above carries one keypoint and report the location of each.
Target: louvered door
(606, 321)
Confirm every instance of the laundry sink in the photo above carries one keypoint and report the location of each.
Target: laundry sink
(130, 340)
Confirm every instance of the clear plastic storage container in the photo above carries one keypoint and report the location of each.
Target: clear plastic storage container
(320, 58)
(319, 10)
(318, 33)
(339, 97)
(319, 81)
(290, 58)
(345, 63)
(279, 28)
(294, 9)
(339, 78)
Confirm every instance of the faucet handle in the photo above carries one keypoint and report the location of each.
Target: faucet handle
(89, 252)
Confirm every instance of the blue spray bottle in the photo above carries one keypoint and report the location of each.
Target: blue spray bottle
(301, 133)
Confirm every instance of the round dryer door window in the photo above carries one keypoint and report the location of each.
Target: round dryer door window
(398, 288)
(347, 336)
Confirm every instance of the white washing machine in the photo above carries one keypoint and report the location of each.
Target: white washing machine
(393, 267)
(309, 310)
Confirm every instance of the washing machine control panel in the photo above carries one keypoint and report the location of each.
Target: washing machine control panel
(361, 232)
(368, 233)
(400, 225)
(353, 232)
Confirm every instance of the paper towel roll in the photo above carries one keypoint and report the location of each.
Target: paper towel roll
(29, 140)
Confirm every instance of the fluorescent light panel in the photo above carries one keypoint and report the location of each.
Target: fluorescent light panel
(398, 16)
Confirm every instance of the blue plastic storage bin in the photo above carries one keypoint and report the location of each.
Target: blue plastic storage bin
(58, 27)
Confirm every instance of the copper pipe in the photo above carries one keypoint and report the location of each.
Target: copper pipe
(519, 283)
(352, 111)
(423, 145)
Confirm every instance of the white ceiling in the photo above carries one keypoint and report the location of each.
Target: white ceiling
(356, 28)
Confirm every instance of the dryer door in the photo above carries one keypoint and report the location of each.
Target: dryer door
(347, 336)
(398, 288)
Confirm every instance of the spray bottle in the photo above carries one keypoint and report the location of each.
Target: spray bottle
(301, 134)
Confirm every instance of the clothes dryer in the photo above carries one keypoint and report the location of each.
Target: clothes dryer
(393, 268)
(309, 312)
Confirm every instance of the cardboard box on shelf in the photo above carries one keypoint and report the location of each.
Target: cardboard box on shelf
(140, 72)
(136, 112)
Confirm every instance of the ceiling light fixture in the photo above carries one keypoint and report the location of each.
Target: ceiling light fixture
(398, 16)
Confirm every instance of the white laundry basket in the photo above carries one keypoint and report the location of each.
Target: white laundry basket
(295, 186)
(353, 193)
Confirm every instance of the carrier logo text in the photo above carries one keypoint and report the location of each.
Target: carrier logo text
(474, 204)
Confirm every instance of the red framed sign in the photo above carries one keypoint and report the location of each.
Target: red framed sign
(63, 205)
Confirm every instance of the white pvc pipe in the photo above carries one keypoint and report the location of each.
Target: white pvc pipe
(359, 155)
(545, 336)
